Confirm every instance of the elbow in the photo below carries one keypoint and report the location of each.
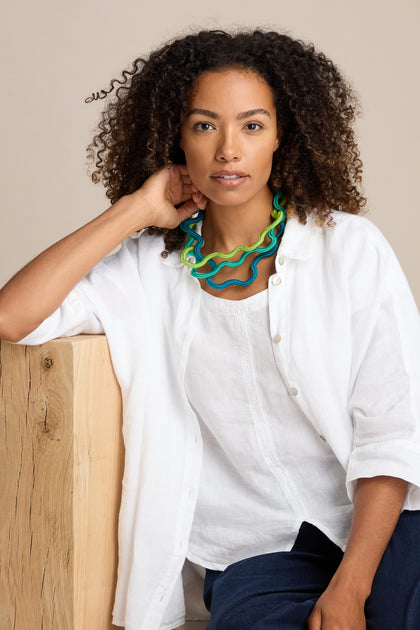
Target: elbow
(8, 332)
(8, 336)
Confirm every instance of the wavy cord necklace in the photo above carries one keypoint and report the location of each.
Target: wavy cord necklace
(193, 258)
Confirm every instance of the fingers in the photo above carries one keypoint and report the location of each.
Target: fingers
(199, 199)
(315, 620)
(182, 168)
(183, 188)
(187, 210)
(183, 171)
(189, 191)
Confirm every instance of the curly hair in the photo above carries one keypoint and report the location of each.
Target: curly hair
(317, 164)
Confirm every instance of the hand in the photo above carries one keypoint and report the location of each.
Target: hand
(338, 608)
(165, 189)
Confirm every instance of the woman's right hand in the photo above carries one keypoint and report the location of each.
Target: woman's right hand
(164, 190)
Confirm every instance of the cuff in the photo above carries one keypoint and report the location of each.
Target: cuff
(393, 458)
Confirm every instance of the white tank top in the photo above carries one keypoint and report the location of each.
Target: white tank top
(265, 468)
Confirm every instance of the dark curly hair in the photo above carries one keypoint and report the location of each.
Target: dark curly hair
(317, 164)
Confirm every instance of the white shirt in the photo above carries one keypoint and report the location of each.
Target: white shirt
(265, 469)
(350, 355)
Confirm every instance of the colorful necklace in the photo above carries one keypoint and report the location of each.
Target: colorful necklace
(193, 258)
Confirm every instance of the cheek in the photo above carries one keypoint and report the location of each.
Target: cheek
(264, 158)
(197, 175)
(188, 149)
(196, 169)
(195, 157)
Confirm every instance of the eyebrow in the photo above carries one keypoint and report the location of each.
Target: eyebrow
(241, 116)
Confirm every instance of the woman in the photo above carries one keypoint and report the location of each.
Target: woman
(268, 371)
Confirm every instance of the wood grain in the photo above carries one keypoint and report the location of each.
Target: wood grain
(61, 463)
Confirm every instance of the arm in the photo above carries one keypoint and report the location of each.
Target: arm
(40, 287)
(377, 506)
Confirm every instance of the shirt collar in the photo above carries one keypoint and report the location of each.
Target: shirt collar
(295, 243)
(297, 240)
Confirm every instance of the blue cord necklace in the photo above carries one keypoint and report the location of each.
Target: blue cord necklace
(193, 258)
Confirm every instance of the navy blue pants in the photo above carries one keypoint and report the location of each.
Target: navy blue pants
(277, 591)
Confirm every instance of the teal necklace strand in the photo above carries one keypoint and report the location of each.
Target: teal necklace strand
(193, 258)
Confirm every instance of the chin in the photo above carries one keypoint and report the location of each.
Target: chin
(230, 196)
(238, 200)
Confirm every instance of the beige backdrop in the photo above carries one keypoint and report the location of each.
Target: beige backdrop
(55, 52)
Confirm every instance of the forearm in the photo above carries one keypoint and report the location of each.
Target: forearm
(40, 287)
(165, 199)
(377, 506)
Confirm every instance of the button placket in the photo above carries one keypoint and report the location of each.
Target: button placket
(276, 280)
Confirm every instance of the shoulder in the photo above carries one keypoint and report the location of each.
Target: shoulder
(354, 228)
(132, 252)
(348, 231)
(350, 252)
(355, 242)
(367, 259)
(119, 273)
(346, 239)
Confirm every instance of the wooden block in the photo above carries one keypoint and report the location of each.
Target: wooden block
(61, 465)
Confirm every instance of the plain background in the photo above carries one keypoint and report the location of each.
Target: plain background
(54, 53)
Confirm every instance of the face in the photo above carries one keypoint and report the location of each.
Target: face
(229, 134)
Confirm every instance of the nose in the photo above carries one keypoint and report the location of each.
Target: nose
(228, 149)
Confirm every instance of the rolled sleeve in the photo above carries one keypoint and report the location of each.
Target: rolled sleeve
(105, 298)
(383, 405)
(74, 316)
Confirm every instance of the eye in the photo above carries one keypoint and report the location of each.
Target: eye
(253, 126)
(203, 126)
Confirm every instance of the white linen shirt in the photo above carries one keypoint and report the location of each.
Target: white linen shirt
(265, 469)
(350, 356)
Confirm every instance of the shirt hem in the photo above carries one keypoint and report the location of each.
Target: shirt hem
(214, 566)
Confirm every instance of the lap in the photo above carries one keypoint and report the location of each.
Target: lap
(395, 598)
(279, 590)
(271, 591)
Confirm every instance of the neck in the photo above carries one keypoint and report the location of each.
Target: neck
(227, 227)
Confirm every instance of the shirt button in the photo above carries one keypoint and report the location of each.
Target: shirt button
(293, 391)
(281, 260)
(276, 280)
(277, 338)
(191, 259)
(322, 438)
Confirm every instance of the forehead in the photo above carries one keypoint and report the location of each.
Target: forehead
(231, 89)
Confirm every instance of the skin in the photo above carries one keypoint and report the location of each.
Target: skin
(234, 215)
(377, 506)
(230, 124)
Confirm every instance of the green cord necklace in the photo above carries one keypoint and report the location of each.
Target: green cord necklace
(192, 257)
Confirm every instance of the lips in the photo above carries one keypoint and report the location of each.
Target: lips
(229, 174)
(229, 179)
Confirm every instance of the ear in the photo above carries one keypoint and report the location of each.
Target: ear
(278, 139)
